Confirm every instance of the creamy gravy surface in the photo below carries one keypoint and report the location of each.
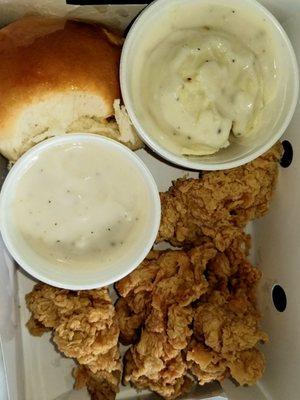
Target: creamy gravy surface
(79, 205)
(200, 87)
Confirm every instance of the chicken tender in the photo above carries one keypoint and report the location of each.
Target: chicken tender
(199, 317)
(162, 279)
(247, 366)
(172, 384)
(206, 364)
(129, 322)
(84, 327)
(102, 385)
(219, 204)
(226, 323)
(171, 282)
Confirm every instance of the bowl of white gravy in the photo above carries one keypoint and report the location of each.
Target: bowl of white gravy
(79, 211)
(209, 84)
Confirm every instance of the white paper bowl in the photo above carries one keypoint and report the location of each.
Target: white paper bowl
(150, 23)
(78, 278)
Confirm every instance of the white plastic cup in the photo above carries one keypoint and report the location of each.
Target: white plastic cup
(150, 23)
(66, 277)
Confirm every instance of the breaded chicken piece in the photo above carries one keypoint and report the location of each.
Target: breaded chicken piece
(170, 281)
(36, 328)
(172, 382)
(215, 290)
(136, 289)
(50, 305)
(231, 269)
(219, 204)
(206, 364)
(129, 322)
(162, 279)
(226, 324)
(84, 327)
(227, 331)
(142, 278)
(247, 366)
(102, 385)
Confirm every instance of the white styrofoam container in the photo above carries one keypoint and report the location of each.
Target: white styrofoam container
(30, 368)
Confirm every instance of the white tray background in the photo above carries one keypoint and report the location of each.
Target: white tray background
(30, 369)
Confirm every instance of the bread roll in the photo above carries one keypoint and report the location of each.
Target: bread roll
(58, 76)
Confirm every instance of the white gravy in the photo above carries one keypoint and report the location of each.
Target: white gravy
(202, 86)
(79, 205)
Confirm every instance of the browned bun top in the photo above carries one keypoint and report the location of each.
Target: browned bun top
(40, 55)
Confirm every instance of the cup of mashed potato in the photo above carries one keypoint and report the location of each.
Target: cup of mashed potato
(79, 211)
(209, 84)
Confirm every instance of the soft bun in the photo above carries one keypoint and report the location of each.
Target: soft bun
(57, 76)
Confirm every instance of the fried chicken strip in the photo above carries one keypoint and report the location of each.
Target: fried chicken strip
(226, 323)
(216, 290)
(102, 385)
(219, 204)
(172, 382)
(170, 281)
(135, 290)
(148, 286)
(85, 328)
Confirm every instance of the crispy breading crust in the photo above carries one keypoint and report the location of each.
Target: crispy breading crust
(219, 204)
(84, 327)
(215, 290)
